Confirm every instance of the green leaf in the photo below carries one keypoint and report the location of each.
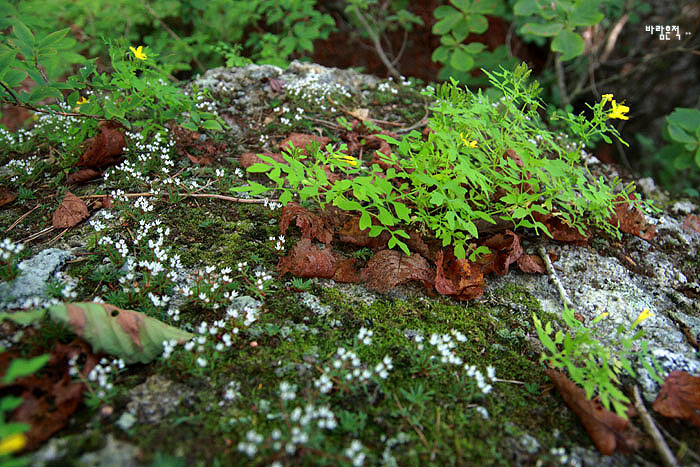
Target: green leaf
(23, 33)
(127, 334)
(478, 24)
(541, 29)
(259, 167)
(686, 118)
(212, 125)
(449, 16)
(365, 220)
(586, 14)
(8, 403)
(42, 92)
(285, 197)
(20, 367)
(23, 318)
(569, 43)
(526, 7)
(52, 38)
(6, 58)
(461, 60)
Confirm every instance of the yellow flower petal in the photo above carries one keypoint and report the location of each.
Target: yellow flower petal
(138, 52)
(82, 100)
(607, 97)
(619, 111)
(645, 314)
(12, 443)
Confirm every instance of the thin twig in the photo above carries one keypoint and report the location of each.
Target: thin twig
(377, 43)
(561, 80)
(415, 428)
(38, 234)
(553, 277)
(667, 457)
(422, 122)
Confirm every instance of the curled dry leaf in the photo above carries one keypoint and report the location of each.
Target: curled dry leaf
(608, 430)
(459, 278)
(505, 250)
(346, 272)
(631, 219)
(680, 397)
(250, 158)
(301, 140)
(105, 148)
(307, 260)
(129, 335)
(83, 175)
(691, 222)
(71, 211)
(311, 225)
(351, 233)
(389, 268)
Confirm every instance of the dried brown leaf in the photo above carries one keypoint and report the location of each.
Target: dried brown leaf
(531, 264)
(680, 397)
(83, 175)
(631, 219)
(458, 278)
(311, 225)
(691, 222)
(307, 260)
(608, 430)
(389, 268)
(506, 250)
(351, 233)
(250, 158)
(560, 230)
(346, 272)
(301, 140)
(6, 196)
(71, 211)
(105, 148)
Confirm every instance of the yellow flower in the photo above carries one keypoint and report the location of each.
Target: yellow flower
(645, 314)
(349, 159)
(619, 111)
(471, 144)
(12, 443)
(82, 101)
(138, 52)
(607, 97)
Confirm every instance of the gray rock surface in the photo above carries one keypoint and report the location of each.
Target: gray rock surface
(29, 289)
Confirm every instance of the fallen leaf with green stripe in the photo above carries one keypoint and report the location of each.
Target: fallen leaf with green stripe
(127, 334)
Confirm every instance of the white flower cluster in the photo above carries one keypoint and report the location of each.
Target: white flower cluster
(365, 336)
(24, 167)
(279, 245)
(445, 345)
(481, 383)
(386, 86)
(355, 454)
(8, 248)
(102, 374)
(311, 88)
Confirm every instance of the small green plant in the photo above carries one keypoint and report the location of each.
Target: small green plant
(589, 362)
(485, 159)
(9, 256)
(301, 284)
(12, 437)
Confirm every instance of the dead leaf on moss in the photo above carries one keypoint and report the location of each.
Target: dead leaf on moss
(200, 160)
(83, 175)
(680, 397)
(346, 272)
(389, 268)
(458, 278)
(311, 225)
(7, 196)
(71, 211)
(608, 430)
(307, 260)
(105, 148)
(351, 233)
(631, 219)
(691, 222)
(301, 140)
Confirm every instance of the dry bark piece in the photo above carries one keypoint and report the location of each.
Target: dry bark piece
(307, 260)
(458, 278)
(71, 211)
(608, 430)
(105, 148)
(389, 268)
(311, 225)
(680, 397)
